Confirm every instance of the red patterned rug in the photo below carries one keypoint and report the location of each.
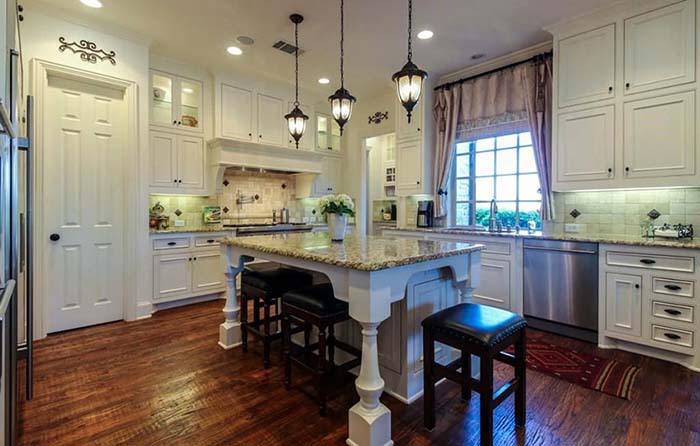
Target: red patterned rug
(590, 371)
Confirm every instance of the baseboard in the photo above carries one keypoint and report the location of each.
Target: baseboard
(143, 310)
(183, 302)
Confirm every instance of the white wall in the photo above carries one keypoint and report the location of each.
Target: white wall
(40, 34)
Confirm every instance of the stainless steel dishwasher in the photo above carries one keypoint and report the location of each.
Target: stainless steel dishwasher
(560, 287)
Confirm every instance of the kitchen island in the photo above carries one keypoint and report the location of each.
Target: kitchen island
(371, 274)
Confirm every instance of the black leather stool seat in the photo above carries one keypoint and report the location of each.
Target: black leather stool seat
(275, 279)
(318, 299)
(477, 323)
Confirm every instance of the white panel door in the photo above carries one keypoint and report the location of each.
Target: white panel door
(409, 166)
(272, 127)
(586, 64)
(494, 287)
(660, 48)
(586, 145)
(83, 204)
(172, 275)
(207, 272)
(190, 164)
(236, 113)
(623, 298)
(660, 136)
(163, 160)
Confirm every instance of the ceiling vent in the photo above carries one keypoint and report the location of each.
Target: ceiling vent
(286, 47)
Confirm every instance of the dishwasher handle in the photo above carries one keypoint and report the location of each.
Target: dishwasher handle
(575, 251)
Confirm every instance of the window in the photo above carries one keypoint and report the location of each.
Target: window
(501, 168)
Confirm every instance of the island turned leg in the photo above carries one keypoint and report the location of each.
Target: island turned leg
(369, 419)
(230, 329)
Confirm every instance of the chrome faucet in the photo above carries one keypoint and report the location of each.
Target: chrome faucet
(493, 213)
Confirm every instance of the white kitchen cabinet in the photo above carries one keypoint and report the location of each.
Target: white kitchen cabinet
(328, 136)
(623, 295)
(586, 145)
(327, 182)
(409, 167)
(271, 123)
(586, 67)
(307, 141)
(660, 136)
(495, 286)
(177, 163)
(176, 102)
(413, 129)
(414, 142)
(236, 113)
(207, 268)
(172, 275)
(660, 48)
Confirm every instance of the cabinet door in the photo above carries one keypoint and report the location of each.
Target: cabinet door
(427, 298)
(623, 296)
(163, 160)
(190, 162)
(586, 67)
(207, 272)
(409, 166)
(189, 105)
(172, 276)
(332, 172)
(236, 113)
(586, 145)
(307, 140)
(271, 124)
(411, 129)
(494, 286)
(660, 48)
(323, 129)
(162, 99)
(660, 136)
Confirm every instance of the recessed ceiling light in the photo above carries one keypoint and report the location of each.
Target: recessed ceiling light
(187, 90)
(425, 34)
(324, 81)
(92, 3)
(234, 50)
(478, 56)
(245, 40)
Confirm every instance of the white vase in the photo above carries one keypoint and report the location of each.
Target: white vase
(336, 226)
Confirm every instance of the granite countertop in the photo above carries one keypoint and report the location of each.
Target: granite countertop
(356, 252)
(613, 239)
(189, 229)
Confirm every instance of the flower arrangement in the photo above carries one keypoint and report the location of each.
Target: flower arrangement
(340, 204)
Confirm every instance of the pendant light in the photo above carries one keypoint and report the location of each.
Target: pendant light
(342, 101)
(409, 80)
(296, 119)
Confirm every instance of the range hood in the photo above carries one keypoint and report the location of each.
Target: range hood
(226, 153)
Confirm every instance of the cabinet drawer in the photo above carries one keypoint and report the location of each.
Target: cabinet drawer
(668, 263)
(671, 311)
(171, 243)
(209, 240)
(492, 247)
(673, 287)
(673, 336)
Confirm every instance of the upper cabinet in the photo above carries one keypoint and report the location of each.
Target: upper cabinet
(236, 113)
(413, 129)
(660, 48)
(645, 135)
(327, 133)
(412, 170)
(176, 102)
(271, 123)
(177, 163)
(586, 64)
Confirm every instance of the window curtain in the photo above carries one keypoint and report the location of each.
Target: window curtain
(511, 100)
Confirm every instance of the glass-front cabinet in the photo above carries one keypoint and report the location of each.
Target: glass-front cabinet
(327, 133)
(176, 102)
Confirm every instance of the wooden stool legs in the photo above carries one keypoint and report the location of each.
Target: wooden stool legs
(520, 374)
(428, 381)
(486, 400)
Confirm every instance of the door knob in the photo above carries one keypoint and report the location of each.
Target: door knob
(54, 237)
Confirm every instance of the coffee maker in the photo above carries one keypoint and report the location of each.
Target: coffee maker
(424, 217)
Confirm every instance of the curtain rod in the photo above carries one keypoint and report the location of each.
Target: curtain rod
(495, 70)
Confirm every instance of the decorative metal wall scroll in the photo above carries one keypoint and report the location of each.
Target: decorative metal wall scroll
(87, 50)
(378, 117)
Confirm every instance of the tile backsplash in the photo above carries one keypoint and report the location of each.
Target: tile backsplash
(623, 212)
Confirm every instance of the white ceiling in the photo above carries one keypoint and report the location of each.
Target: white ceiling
(198, 32)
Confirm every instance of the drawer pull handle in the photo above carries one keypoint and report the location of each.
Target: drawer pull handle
(672, 336)
(172, 243)
(672, 312)
(648, 261)
(673, 287)
(211, 241)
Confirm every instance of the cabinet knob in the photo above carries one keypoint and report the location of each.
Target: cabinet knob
(174, 181)
(609, 169)
(610, 89)
(54, 237)
(179, 122)
(194, 258)
(636, 285)
(627, 85)
(417, 182)
(627, 169)
(179, 181)
(190, 259)
(418, 129)
(175, 122)
(260, 136)
(250, 134)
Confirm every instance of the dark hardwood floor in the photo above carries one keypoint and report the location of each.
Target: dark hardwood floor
(164, 381)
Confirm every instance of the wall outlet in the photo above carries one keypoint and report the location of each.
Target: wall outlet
(179, 223)
(572, 227)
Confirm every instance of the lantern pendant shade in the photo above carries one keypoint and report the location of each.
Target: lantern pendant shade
(296, 123)
(409, 86)
(341, 106)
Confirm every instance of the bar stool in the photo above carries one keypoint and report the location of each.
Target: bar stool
(484, 332)
(264, 284)
(316, 306)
